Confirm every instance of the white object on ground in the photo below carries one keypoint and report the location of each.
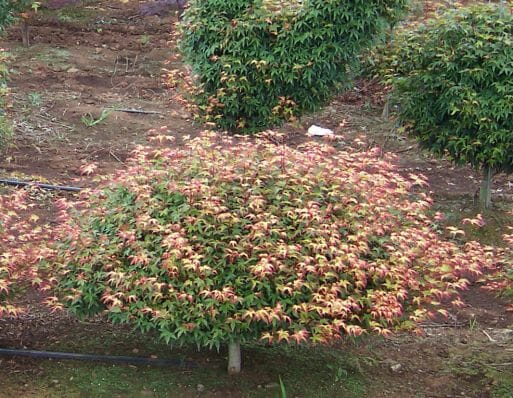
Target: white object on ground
(316, 131)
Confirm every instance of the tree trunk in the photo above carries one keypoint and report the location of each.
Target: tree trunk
(502, 8)
(234, 357)
(485, 193)
(25, 32)
(386, 109)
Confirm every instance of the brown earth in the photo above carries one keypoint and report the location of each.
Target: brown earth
(108, 58)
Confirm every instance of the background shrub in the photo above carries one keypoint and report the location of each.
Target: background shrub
(221, 242)
(454, 81)
(9, 10)
(258, 63)
(12, 10)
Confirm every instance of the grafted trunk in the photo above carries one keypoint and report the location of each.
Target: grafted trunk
(386, 108)
(502, 8)
(485, 193)
(25, 36)
(234, 357)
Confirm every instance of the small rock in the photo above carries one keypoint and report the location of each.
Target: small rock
(98, 50)
(396, 368)
(200, 388)
(131, 28)
(271, 385)
(73, 70)
(57, 68)
(135, 350)
(54, 382)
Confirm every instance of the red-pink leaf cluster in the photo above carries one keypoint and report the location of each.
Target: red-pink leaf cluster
(231, 236)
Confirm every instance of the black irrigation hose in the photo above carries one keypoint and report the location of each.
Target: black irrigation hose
(17, 183)
(98, 358)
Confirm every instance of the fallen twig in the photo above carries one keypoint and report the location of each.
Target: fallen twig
(500, 364)
(132, 110)
(492, 340)
(115, 157)
(405, 149)
(51, 119)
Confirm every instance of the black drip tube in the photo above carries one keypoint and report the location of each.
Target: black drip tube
(17, 183)
(98, 358)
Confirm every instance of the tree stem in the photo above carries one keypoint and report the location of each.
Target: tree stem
(485, 193)
(234, 357)
(25, 37)
(386, 108)
(502, 8)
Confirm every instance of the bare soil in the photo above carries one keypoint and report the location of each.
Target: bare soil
(108, 58)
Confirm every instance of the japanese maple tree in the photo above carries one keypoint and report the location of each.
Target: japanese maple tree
(12, 10)
(224, 241)
(258, 63)
(453, 79)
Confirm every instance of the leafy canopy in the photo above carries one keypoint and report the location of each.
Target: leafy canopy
(454, 81)
(224, 239)
(9, 9)
(258, 63)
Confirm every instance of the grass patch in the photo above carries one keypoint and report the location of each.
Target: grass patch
(6, 131)
(497, 219)
(503, 386)
(305, 371)
(82, 13)
(57, 59)
(488, 371)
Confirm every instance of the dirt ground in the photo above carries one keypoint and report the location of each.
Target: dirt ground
(71, 91)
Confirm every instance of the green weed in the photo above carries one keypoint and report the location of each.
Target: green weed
(34, 99)
(90, 121)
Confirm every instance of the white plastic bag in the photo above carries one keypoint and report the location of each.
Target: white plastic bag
(316, 131)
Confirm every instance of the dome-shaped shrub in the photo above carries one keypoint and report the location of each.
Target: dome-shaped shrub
(224, 241)
(454, 80)
(258, 63)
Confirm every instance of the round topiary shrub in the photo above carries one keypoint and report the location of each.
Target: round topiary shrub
(454, 80)
(222, 242)
(258, 63)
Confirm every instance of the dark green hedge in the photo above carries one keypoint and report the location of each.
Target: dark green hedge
(454, 81)
(258, 63)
